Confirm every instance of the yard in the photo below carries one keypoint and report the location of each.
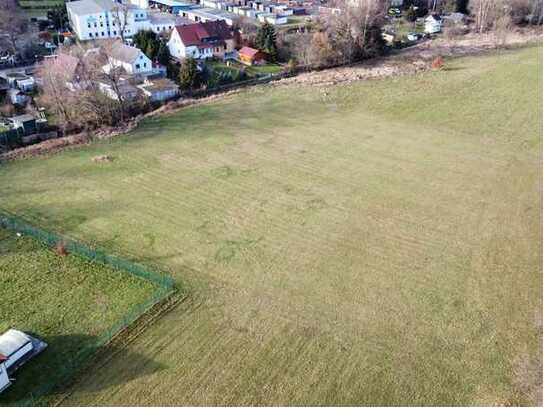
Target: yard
(66, 301)
(40, 4)
(372, 244)
(252, 71)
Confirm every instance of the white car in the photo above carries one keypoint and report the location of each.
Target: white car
(413, 36)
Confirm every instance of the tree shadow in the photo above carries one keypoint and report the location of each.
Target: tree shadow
(65, 360)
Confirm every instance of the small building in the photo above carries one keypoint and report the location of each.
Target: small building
(273, 19)
(433, 24)
(251, 56)
(25, 122)
(17, 97)
(16, 348)
(126, 91)
(159, 90)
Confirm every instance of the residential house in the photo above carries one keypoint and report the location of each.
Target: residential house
(433, 24)
(202, 41)
(130, 59)
(251, 56)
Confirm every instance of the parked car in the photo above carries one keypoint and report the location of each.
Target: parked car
(394, 12)
(414, 36)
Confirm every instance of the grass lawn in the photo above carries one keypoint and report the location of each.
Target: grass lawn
(40, 4)
(368, 244)
(66, 301)
(258, 70)
(252, 71)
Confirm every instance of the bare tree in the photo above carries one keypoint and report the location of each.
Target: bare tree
(12, 22)
(485, 13)
(120, 19)
(112, 75)
(502, 27)
(54, 91)
(350, 30)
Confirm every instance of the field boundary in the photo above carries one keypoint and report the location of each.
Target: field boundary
(165, 284)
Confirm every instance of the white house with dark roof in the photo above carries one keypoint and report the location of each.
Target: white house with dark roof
(130, 59)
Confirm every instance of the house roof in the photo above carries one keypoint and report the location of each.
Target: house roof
(203, 34)
(159, 85)
(435, 17)
(124, 53)
(22, 118)
(83, 7)
(248, 51)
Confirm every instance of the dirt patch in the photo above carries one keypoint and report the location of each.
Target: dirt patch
(102, 159)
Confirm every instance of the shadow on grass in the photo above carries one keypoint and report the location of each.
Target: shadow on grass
(63, 361)
(453, 68)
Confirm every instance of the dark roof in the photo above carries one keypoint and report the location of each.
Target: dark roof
(204, 34)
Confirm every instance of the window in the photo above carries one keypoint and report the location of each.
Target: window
(103, 34)
(114, 32)
(88, 25)
(95, 25)
(90, 34)
(101, 24)
(145, 64)
(137, 66)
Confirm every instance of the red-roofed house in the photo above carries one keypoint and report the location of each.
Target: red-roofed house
(251, 56)
(201, 40)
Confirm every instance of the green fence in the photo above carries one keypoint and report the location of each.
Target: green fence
(165, 287)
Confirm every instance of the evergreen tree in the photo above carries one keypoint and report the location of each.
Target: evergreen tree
(163, 54)
(462, 6)
(188, 74)
(58, 16)
(411, 14)
(266, 40)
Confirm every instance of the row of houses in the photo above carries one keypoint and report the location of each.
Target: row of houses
(136, 74)
(103, 19)
(263, 11)
(16, 86)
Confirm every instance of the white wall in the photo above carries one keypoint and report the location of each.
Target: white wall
(103, 25)
(4, 379)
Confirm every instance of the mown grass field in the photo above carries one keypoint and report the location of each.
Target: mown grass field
(66, 301)
(368, 244)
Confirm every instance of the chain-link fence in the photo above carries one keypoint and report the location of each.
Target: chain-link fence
(165, 286)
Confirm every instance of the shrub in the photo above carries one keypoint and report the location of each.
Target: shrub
(60, 248)
(438, 63)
